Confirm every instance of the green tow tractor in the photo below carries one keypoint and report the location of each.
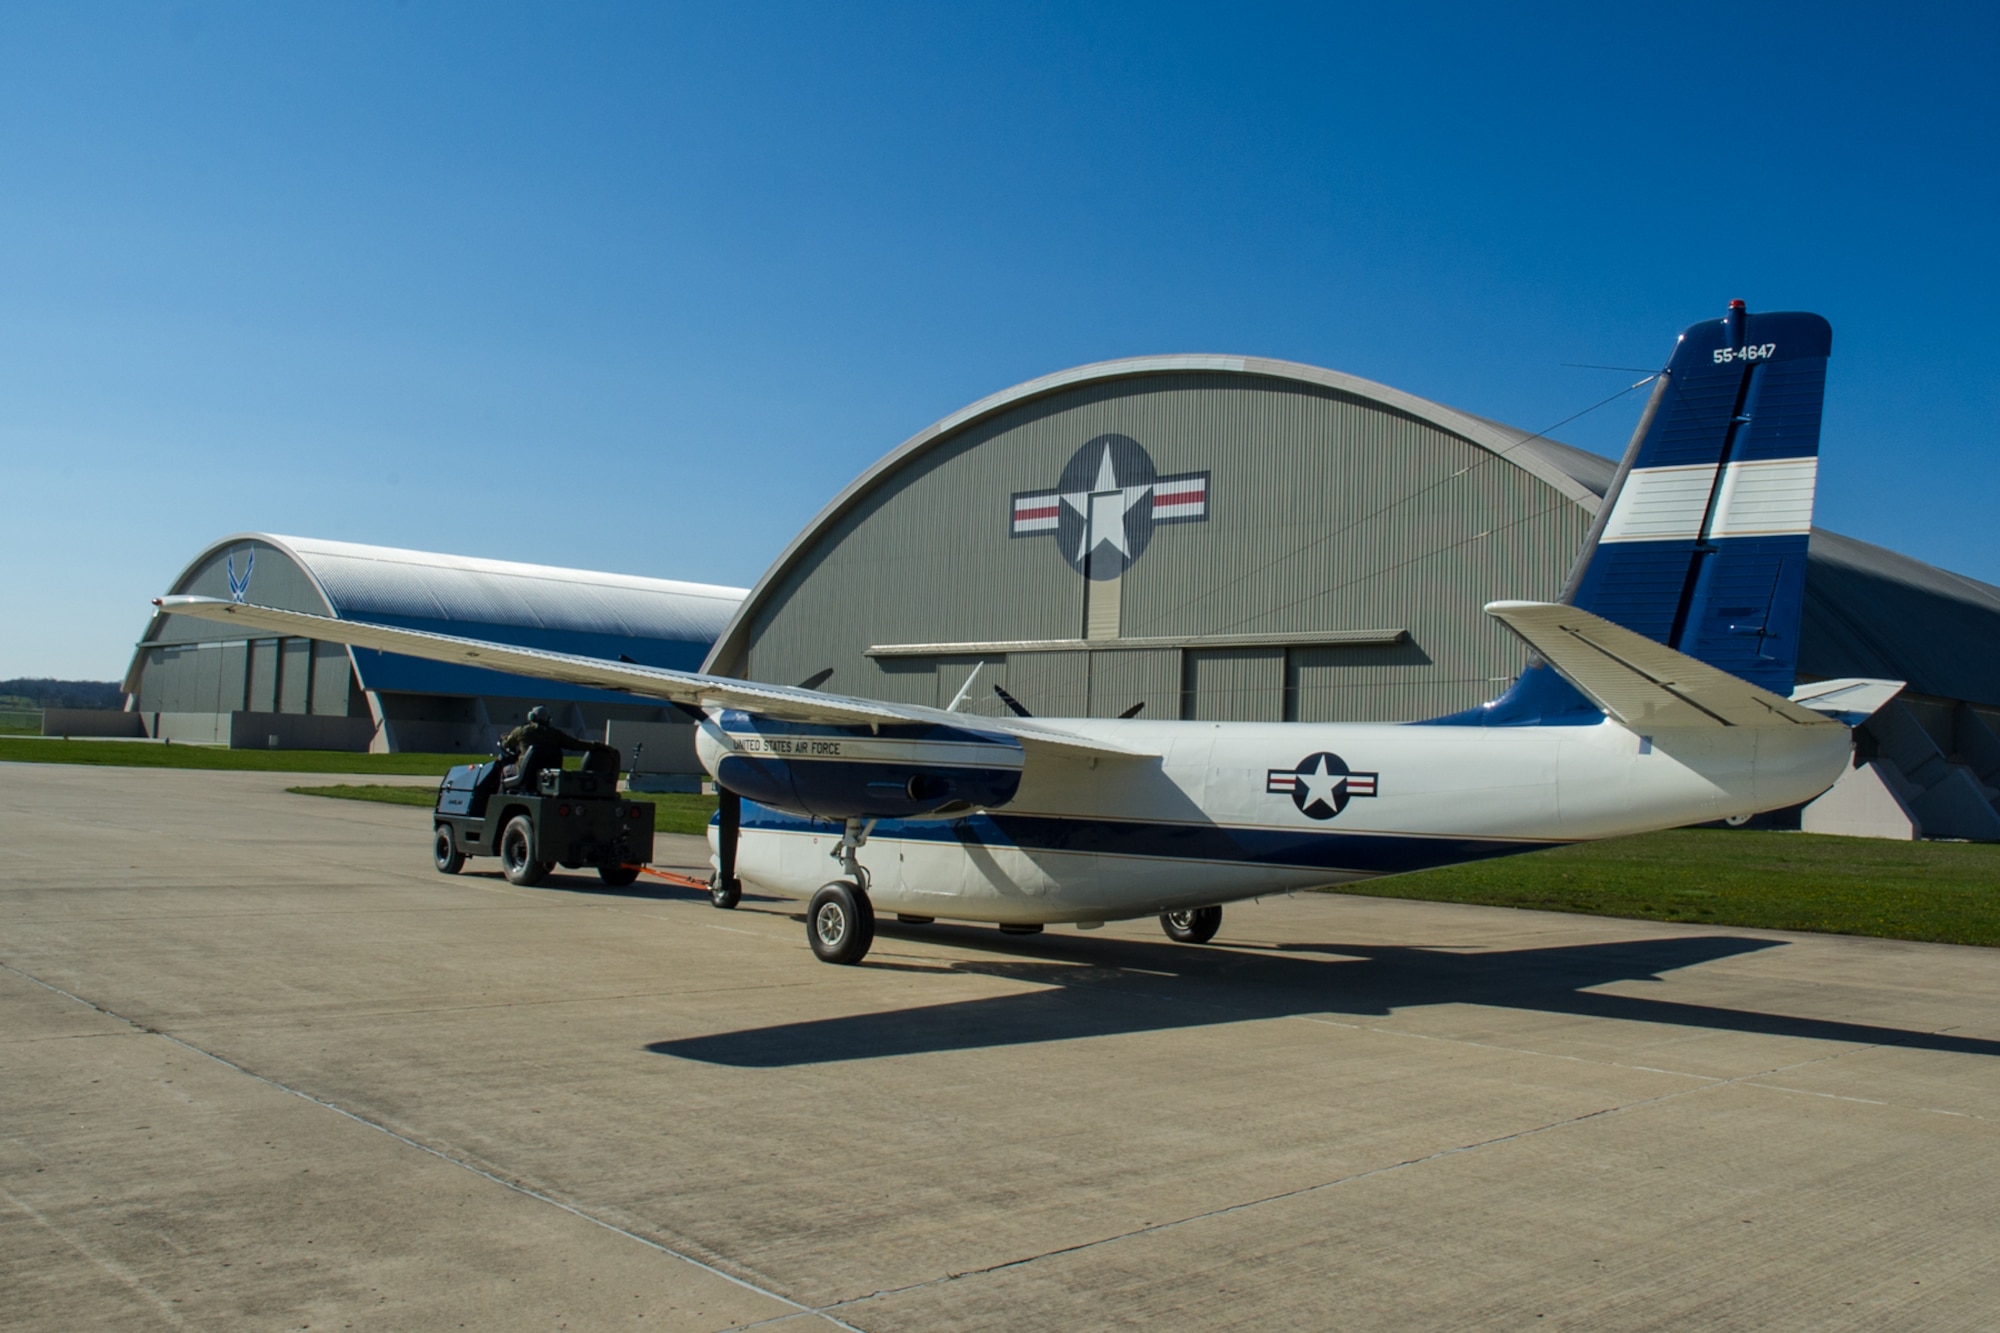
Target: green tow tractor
(575, 819)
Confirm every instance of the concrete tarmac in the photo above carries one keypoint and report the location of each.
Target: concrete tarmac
(262, 1067)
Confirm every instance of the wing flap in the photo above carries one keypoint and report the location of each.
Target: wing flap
(1642, 682)
(783, 702)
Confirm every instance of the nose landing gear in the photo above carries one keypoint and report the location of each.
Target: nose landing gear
(724, 889)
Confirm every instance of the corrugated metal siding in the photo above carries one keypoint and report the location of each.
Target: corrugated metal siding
(1326, 512)
(263, 676)
(295, 676)
(1872, 612)
(1120, 679)
(1233, 685)
(331, 672)
(1051, 684)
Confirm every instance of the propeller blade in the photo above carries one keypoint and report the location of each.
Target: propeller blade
(816, 679)
(1133, 711)
(1012, 702)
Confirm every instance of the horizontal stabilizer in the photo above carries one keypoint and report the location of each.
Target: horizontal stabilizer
(1851, 700)
(783, 702)
(1641, 682)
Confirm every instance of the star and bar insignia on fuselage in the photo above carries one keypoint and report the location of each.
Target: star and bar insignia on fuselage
(1321, 784)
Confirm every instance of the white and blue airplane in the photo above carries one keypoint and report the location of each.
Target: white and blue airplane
(1659, 693)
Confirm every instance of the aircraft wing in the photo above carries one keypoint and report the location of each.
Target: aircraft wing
(1642, 682)
(785, 703)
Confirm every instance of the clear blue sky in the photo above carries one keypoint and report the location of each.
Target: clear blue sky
(638, 287)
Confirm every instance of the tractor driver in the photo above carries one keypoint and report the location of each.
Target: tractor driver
(537, 744)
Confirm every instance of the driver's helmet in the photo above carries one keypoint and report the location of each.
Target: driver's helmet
(538, 714)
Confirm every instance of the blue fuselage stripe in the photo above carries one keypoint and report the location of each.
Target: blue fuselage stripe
(1300, 849)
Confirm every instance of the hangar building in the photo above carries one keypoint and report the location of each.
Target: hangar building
(1286, 542)
(193, 680)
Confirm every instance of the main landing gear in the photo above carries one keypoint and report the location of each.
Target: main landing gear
(840, 921)
(1192, 925)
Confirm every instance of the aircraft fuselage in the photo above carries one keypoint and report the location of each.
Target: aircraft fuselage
(1234, 810)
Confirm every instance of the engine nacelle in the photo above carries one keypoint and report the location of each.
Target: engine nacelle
(859, 772)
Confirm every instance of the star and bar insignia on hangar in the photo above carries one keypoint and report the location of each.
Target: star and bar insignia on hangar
(1113, 478)
(1320, 785)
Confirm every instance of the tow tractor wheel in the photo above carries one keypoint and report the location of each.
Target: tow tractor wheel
(617, 877)
(515, 840)
(840, 923)
(1192, 925)
(724, 893)
(445, 853)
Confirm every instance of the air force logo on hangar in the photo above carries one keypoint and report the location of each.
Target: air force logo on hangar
(1108, 500)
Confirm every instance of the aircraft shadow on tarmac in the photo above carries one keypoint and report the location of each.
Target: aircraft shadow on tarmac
(1100, 988)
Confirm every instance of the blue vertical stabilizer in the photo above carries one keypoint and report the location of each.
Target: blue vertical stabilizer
(1700, 543)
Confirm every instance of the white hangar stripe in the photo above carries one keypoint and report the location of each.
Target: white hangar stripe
(1768, 498)
(1037, 513)
(1181, 498)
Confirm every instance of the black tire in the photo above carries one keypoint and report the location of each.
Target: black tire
(1192, 925)
(1020, 927)
(618, 877)
(515, 840)
(445, 854)
(724, 893)
(840, 923)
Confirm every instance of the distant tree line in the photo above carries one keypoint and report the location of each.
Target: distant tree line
(39, 692)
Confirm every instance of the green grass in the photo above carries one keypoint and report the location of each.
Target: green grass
(673, 812)
(1942, 891)
(149, 754)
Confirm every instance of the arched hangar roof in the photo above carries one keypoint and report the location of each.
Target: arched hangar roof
(1568, 471)
(662, 622)
(1869, 611)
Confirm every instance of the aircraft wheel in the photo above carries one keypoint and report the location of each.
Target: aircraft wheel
(617, 877)
(724, 893)
(515, 840)
(1192, 925)
(445, 854)
(840, 923)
